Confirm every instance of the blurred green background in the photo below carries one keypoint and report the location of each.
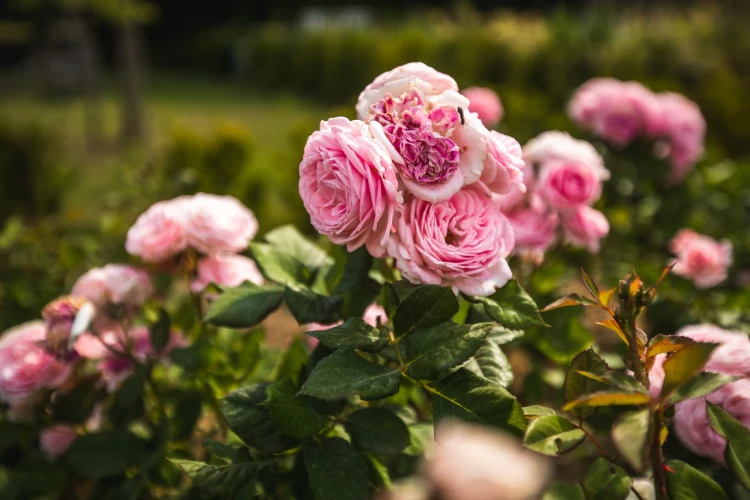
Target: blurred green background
(107, 106)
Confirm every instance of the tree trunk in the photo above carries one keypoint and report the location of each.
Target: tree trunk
(131, 67)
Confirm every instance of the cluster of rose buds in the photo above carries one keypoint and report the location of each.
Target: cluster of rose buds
(700, 258)
(415, 178)
(216, 226)
(732, 357)
(618, 112)
(563, 177)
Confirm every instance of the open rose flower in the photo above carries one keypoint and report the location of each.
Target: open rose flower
(585, 227)
(26, 367)
(160, 232)
(415, 75)
(486, 104)
(226, 270)
(219, 224)
(114, 284)
(535, 232)
(461, 242)
(476, 463)
(566, 185)
(700, 258)
(556, 145)
(504, 170)
(348, 185)
(683, 127)
(56, 440)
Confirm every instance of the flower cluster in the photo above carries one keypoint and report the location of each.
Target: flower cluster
(700, 258)
(732, 357)
(618, 112)
(217, 226)
(416, 177)
(563, 177)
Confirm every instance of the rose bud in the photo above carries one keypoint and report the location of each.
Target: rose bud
(65, 319)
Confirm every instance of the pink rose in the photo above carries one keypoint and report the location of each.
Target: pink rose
(399, 80)
(476, 463)
(733, 354)
(348, 185)
(700, 258)
(56, 440)
(566, 185)
(25, 366)
(585, 227)
(159, 233)
(65, 319)
(485, 103)
(461, 242)
(556, 145)
(691, 423)
(226, 270)
(218, 224)
(375, 315)
(114, 284)
(504, 171)
(535, 232)
(684, 128)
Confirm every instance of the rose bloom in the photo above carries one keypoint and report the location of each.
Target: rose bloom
(684, 128)
(56, 440)
(218, 224)
(462, 242)
(477, 463)
(556, 145)
(159, 233)
(585, 227)
(226, 270)
(114, 284)
(700, 258)
(535, 232)
(26, 367)
(485, 103)
(397, 81)
(566, 185)
(348, 185)
(504, 170)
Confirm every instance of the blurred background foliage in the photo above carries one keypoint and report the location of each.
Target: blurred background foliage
(105, 111)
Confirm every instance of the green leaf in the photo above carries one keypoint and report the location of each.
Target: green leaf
(355, 333)
(354, 271)
(684, 365)
(606, 481)
(231, 481)
(566, 339)
(293, 362)
(442, 346)
(75, 406)
(571, 300)
(106, 453)
(293, 415)
(127, 404)
(533, 411)
(379, 475)
(700, 385)
(608, 398)
(289, 240)
(737, 454)
(377, 430)
(590, 284)
(252, 422)
(159, 331)
(337, 471)
(472, 398)
(688, 483)
(512, 307)
(562, 491)
(553, 435)
(345, 374)
(279, 266)
(577, 385)
(629, 435)
(244, 306)
(661, 344)
(309, 307)
(234, 454)
(426, 306)
(501, 335)
(491, 363)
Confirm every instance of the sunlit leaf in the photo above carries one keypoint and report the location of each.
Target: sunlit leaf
(629, 434)
(577, 385)
(702, 384)
(607, 398)
(590, 284)
(684, 365)
(661, 344)
(615, 327)
(553, 435)
(606, 481)
(571, 300)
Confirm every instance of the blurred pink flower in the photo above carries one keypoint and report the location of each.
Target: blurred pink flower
(556, 145)
(477, 463)
(65, 319)
(486, 104)
(462, 242)
(375, 315)
(114, 284)
(504, 170)
(566, 185)
(226, 270)
(26, 367)
(700, 258)
(585, 227)
(160, 232)
(535, 232)
(218, 224)
(348, 185)
(683, 127)
(56, 440)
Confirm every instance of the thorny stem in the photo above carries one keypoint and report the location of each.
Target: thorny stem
(657, 458)
(593, 440)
